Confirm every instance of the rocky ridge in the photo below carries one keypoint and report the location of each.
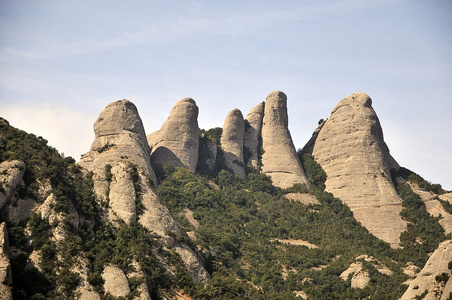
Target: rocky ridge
(177, 141)
(350, 148)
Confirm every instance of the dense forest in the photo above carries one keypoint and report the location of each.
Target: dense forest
(242, 227)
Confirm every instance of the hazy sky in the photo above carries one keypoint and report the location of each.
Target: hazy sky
(62, 62)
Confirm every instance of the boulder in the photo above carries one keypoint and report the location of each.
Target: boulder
(177, 141)
(279, 160)
(232, 142)
(115, 281)
(253, 139)
(351, 150)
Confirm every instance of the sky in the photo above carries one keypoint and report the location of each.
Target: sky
(62, 62)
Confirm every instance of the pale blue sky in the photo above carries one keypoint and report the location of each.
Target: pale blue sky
(62, 62)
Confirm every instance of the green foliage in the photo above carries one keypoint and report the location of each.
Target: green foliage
(105, 147)
(423, 232)
(443, 277)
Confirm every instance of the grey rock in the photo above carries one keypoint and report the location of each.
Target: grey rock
(128, 154)
(232, 142)
(177, 142)
(253, 129)
(280, 160)
(350, 148)
(11, 174)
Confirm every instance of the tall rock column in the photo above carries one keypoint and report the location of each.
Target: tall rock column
(232, 142)
(280, 160)
(177, 142)
(253, 129)
(350, 148)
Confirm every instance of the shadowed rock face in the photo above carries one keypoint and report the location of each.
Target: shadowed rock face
(252, 133)
(280, 160)
(232, 142)
(177, 142)
(350, 148)
(120, 160)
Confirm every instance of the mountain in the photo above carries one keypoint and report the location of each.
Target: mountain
(225, 213)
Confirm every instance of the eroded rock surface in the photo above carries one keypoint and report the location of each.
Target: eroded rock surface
(177, 142)
(253, 129)
(350, 148)
(123, 177)
(425, 281)
(11, 173)
(232, 142)
(115, 281)
(279, 160)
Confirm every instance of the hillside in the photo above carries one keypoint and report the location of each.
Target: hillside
(228, 213)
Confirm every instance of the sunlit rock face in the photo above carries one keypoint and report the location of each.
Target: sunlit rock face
(279, 160)
(177, 141)
(120, 160)
(350, 148)
(232, 142)
(425, 281)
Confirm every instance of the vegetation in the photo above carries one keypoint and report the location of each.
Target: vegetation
(243, 231)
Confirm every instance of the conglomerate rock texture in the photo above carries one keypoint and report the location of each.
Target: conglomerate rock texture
(232, 142)
(279, 160)
(253, 133)
(350, 148)
(177, 142)
(5, 265)
(425, 280)
(120, 162)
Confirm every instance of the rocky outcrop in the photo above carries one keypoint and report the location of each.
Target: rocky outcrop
(360, 277)
(119, 146)
(6, 278)
(434, 206)
(177, 142)
(426, 281)
(232, 142)
(279, 160)
(115, 282)
(350, 148)
(11, 173)
(123, 177)
(253, 139)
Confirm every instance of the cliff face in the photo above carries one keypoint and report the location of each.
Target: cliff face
(123, 177)
(350, 148)
(177, 142)
(280, 160)
(232, 142)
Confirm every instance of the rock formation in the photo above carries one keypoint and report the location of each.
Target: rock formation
(11, 173)
(350, 148)
(232, 142)
(437, 264)
(253, 127)
(6, 279)
(123, 176)
(177, 142)
(280, 160)
(115, 282)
